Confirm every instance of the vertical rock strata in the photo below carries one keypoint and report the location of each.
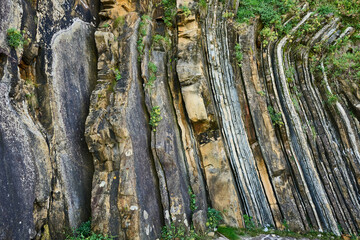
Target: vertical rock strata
(45, 89)
(143, 114)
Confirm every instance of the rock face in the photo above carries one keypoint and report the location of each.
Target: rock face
(144, 114)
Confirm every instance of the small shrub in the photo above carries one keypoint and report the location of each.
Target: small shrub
(169, 11)
(214, 218)
(249, 224)
(268, 36)
(14, 38)
(155, 117)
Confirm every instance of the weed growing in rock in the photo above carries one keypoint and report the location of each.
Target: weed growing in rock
(142, 34)
(155, 117)
(331, 98)
(117, 75)
(152, 72)
(165, 41)
(84, 233)
(169, 11)
(214, 218)
(249, 224)
(14, 38)
(228, 14)
(238, 54)
(185, 9)
(105, 25)
(267, 36)
(119, 21)
(275, 116)
(178, 232)
(203, 4)
(192, 196)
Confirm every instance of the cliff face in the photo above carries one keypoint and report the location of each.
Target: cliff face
(141, 114)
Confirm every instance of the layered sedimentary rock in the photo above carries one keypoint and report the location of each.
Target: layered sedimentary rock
(45, 92)
(140, 114)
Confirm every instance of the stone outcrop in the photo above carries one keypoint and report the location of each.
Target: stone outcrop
(141, 114)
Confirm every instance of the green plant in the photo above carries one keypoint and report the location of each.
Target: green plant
(270, 11)
(169, 11)
(275, 116)
(289, 73)
(203, 4)
(249, 223)
(326, 9)
(229, 232)
(172, 232)
(119, 21)
(117, 75)
(157, 39)
(214, 218)
(105, 25)
(238, 54)
(286, 225)
(268, 35)
(142, 33)
(83, 232)
(261, 93)
(155, 117)
(152, 72)
(14, 38)
(227, 14)
(331, 98)
(192, 196)
(185, 9)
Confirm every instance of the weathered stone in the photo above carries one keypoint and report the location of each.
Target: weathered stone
(199, 221)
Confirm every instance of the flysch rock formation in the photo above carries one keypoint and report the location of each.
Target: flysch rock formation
(137, 114)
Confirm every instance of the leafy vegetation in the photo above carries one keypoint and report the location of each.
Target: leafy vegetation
(14, 38)
(275, 116)
(155, 117)
(117, 75)
(169, 11)
(238, 54)
(252, 230)
(84, 233)
(214, 218)
(331, 98)
(185, 9)
(119, 21)
(152, 72)
(270, 11)
(142, 34)
(249, 224)
(192, 196)
(203, 4)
